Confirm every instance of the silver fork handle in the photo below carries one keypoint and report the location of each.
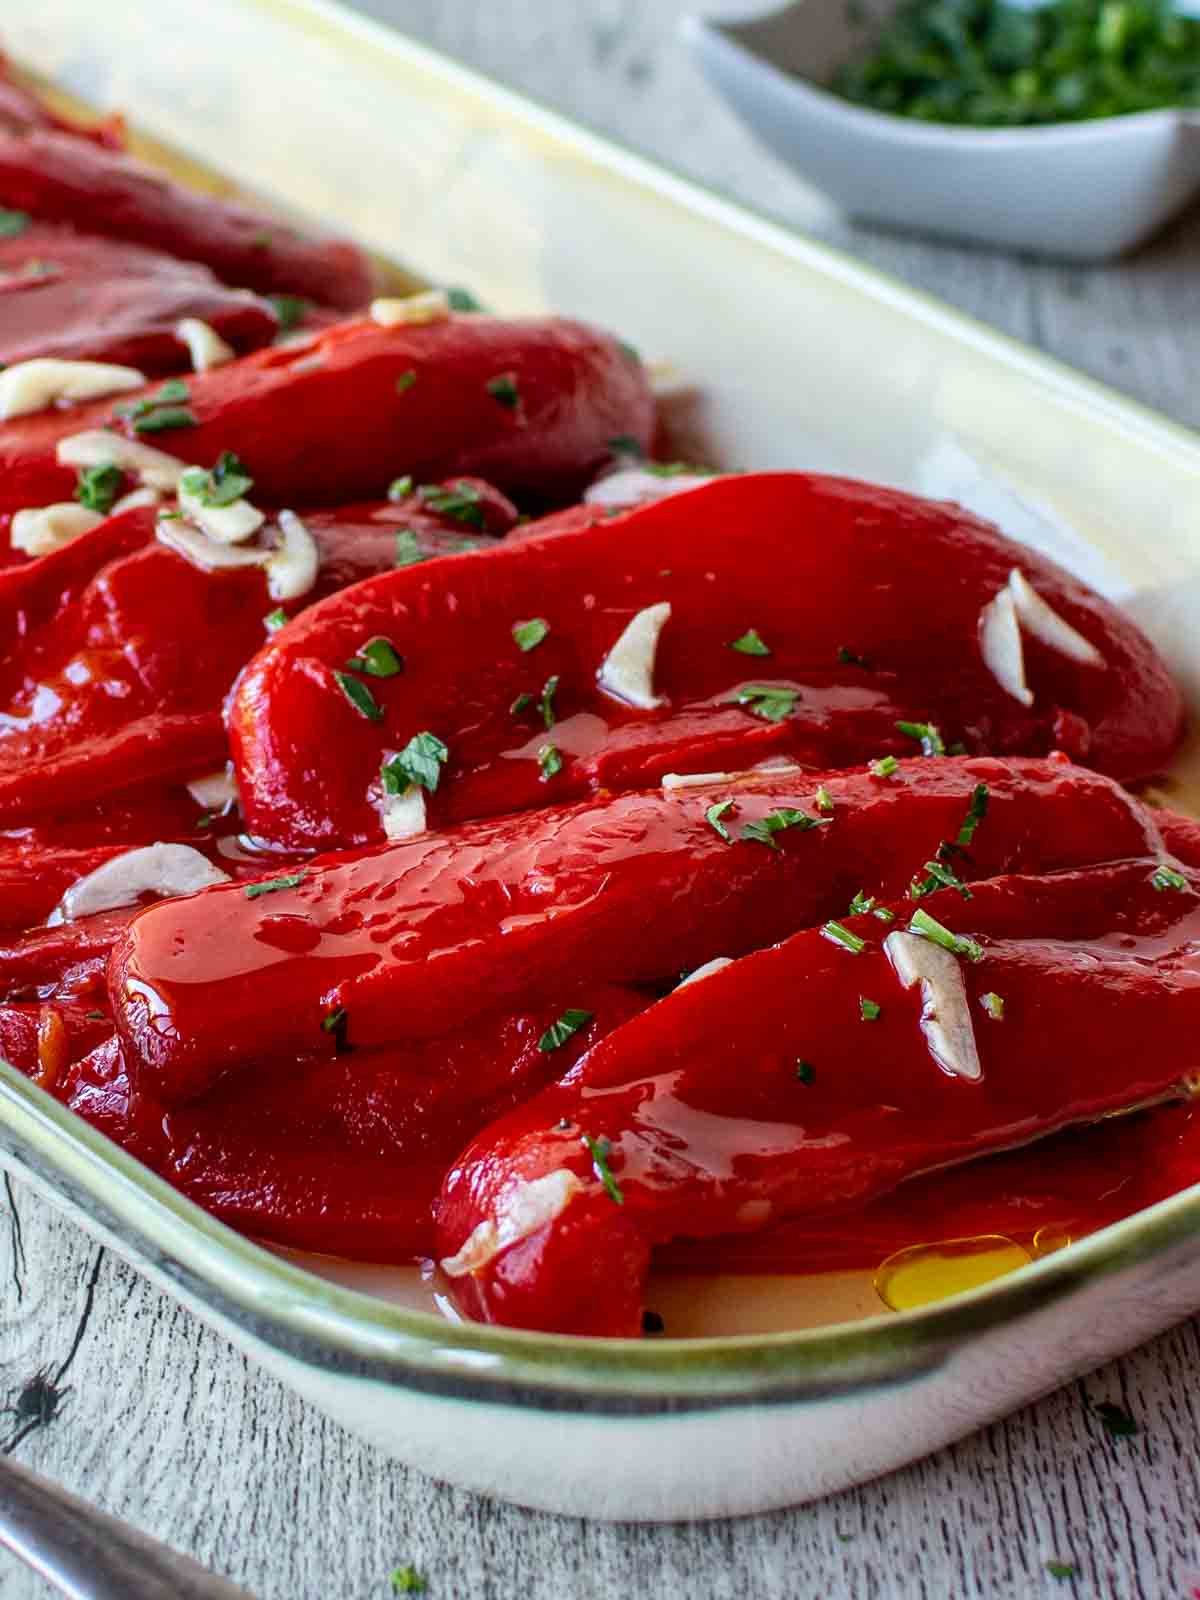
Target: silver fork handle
(91, 1556)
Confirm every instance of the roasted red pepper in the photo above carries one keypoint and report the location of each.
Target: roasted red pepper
(59, 177)
(83, 298)
(415, 940)
(1078, 992)
(808, 617)
(340, 417)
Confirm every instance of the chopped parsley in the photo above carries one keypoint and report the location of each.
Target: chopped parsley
(849, 659)
(274, 620)
(1061, 1570)
(862, 903)
(13, 223)
(379, 658)
(462, 300)
(253, 890)
(884, 767)
(420, 762)
(764, 832)
(156, 413)
(837, 934)
(546, 703)
(868, 1009)
(359, 696)
(406, 380)
(927, 735)
(567, 1026)
(750, 644)
(976, 812)
(805, 1071)
(503, 389)
(713, 817)
(1167, 878)
(335, 1022)
(461, 501)
(993, 1004)
(1116, 1419)
(98, 487)
(939, 876)
(407, 1580)
(599, 1150)
(550, 761)
(290, 310)
(400, 488)
(408, 549)
(228, 481)
(824, 800)
(626, 445)
(768, 701)
(521, 703)
(957, 943)
(528, 635)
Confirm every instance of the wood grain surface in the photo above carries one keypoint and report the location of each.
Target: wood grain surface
(124, 1398)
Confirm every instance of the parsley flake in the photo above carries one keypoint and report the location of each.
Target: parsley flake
(164, 419)
(406, 380)
(849, 659)
(407, 1580)
(13, 223)
(97, 487)
(462, 300)
(1116, 1419)
(546, 703)
(868, 1009)
(767, 700)
(359, 696)
(993, 1004)
(884, 767)
(1061, 1570)
(713, 817)
(805, 1071)
(521, 703)
(408, 549)
(824, 800)
(550, 761)
(379, 658)
(400, 488)
(861, 904)
(335, 1022)
(957, 943)
(626, 445)
(837, 934)
(927, 735)
(1167, 878)
(599, 1150)
(763, 832)
(940, 877)
(976, 812)
(528, 635)
(750, 644)
(228, 481)
(253, 890)
(420, 762)
(290, 310)
(503, 389)
(274, 620)
(569, 1024)
(461, 501)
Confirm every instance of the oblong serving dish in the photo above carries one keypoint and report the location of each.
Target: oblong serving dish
(1082, 191)
(799, 358)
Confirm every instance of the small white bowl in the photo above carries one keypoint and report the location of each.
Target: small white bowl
(1080, 190)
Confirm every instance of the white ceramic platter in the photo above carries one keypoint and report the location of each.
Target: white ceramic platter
(799, 358)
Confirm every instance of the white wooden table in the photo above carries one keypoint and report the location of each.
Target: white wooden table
(160, 1423)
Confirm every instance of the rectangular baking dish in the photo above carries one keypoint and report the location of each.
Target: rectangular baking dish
(796, 357)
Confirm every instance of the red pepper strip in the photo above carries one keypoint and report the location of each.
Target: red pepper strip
(58, 177)
(21, 111)
(816, 566)
(415, 939)
(124, 651)
(758, 1094)
(82, 298)
(97, 1087)
(340, 417)
(43, 1040)
(1071, 1184)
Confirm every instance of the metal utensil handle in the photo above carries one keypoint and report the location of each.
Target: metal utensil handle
(91, 1556)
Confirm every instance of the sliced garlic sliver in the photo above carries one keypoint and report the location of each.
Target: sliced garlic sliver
(164, 870)
(293, 566)
(30, 386)
(717, 964)
(695, 780)
(430, 305)
(100, 448)
(205, 345)
(521, 1212)
(628, 669)
(38, 532)
(215, 790)
(203, 552)
(1044, 623)
(1001, 648)
(403, 815)
(631, 485)
(230, 524)
(945, 1012)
